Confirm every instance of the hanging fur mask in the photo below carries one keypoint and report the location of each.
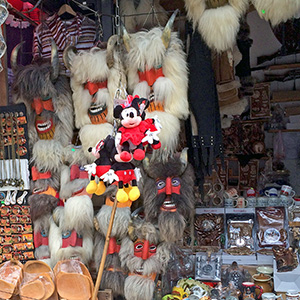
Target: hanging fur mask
(167, 191)
(142, 14)
(95, 77)
(145, 256)
(159, 75)
(276, 11)
(41, 208)
(71, 236)
(216, 20)
(48, 100)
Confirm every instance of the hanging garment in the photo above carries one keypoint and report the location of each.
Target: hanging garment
(203, 99)
(79, 31)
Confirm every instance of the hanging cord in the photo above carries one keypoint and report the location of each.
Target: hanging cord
(153, 12)
(99, 28)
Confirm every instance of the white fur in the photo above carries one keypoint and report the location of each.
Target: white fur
(276, 11)
(168, 136)
(121, 220)
(92, 134)
(47, 155)
(219, 27)
(173, 61)
(74, 155)
(55, 242)
(138, 288)
(78, 214)
(91, 65)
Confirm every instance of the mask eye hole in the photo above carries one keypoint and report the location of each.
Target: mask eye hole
(66, 234)
(175, 182)
(160, 184)
(152, 248)
(139, 246)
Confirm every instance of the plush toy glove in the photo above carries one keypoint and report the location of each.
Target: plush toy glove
(91, 169)
(157, 123)
(110, 176)
(150, 137)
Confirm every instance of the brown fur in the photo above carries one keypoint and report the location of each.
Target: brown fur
(41, 205)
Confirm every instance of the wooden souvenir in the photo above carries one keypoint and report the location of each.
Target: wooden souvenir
(248, 175)
(260, 101)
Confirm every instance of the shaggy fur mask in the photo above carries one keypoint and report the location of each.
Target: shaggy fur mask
(76, 215)
(169, 91)
(172, 221)
(140, 282)
(216, 21)
(94, 105)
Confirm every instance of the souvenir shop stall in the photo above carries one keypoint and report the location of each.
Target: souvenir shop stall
(149, 150)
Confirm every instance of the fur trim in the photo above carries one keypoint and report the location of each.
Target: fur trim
(78, 214)
(169, 135)
(55, 241)
(174, 65)
(90, 135)
(41, 205)
(43, 184)
(67, 187)
(137, 18)
(47, 155)
(42, 251)
(74, 155)
(114, 281)
(121, 220)
(138, 287)
(91, 65)
(218, 26)
(43, 223)
(276, 11)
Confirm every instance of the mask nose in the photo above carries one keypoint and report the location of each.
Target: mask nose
(168, 186)
(145, 251)
(131, 115)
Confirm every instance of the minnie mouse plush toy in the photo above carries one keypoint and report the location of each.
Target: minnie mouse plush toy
(135, 132)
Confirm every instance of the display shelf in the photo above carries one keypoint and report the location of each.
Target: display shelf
(283, 66)
(285, 96)
(264, 259)
(284, 281)
(240, 259)
(246, 210)
(283, 130)
(209, 210)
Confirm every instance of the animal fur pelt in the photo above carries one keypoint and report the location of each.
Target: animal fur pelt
(159, 208)
(77, 214)
(169, 91)
(140, 15)
(218, 26)
(140, 282)
(41, 207)
(89, 68)
(276, 11)
(113, 275)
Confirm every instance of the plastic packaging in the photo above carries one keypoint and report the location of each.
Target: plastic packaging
(208, 266)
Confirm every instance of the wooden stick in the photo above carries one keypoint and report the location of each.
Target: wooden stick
(104, 254)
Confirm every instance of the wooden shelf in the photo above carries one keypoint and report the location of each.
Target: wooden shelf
(283, 66)
(283, 130)
(285, 96)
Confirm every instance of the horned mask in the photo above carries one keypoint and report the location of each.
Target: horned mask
(95, 77)
(167, 191)
(145, 256)
(159, 75)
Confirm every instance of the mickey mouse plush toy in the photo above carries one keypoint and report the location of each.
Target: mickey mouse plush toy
(135, 132)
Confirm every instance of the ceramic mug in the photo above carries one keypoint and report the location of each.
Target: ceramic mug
(251, 192)
(286, 201)
(271, 192)
(262, 201)
(287, 190)
(249, 290)
(292, 295)
(228, 202)
(273, 201)
(232, 193)
(251, 201)
(270, 296)
(241, 202)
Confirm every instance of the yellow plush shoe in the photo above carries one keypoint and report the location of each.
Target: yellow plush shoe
(100, 188)
(91, 187)
(128, 189)
(134, 194)
(122, 196)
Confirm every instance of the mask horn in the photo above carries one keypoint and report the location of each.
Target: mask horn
(54, 61)
(184, 159)
(166, 35)
(14, 56)
(146, 163)
(126, 38)
(68, 56)
(110, 50)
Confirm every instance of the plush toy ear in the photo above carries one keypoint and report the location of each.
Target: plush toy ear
(143, 104)
(117, 111)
